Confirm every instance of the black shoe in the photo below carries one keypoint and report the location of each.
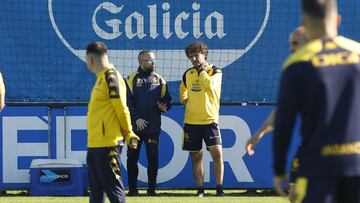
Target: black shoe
(151, 193)
(133, 193)
(200, 192)
(219, 191)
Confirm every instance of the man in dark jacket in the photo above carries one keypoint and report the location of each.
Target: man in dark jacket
(148, 96)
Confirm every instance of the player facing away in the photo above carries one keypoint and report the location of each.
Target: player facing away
(148, 96)
(200, 94)
(321, 83)
(108, 124)
(297, 39)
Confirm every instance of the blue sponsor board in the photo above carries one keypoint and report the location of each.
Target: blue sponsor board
(38, 132)
(24, 137)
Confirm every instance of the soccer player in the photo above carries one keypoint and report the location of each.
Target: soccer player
(148, 96)
(321, 83)
(2, 93)
(108, 124)
(296, 40)
(200, 94)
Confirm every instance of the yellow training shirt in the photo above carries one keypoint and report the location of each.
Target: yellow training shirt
(202, 89)
(108, 117)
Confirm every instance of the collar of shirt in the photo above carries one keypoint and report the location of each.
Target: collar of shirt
(208, 67)
(111, 66)
(142, 72)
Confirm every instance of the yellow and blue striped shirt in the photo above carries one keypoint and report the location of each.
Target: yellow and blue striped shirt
(108, 117)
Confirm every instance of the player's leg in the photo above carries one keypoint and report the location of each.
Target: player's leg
(198, 167)
(349, 190)
(152, 154)
(212, 139)
(218, 164)
(192, 141)
(315, 189)
(111, 175)
(97, 194)
(132, 168)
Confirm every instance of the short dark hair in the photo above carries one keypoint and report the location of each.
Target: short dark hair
(319, 9)
(197, 47)
(97, 48)
(143, 52)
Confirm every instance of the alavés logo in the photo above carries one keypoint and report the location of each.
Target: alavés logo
(230, 28)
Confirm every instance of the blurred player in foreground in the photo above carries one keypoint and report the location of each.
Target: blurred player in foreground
(108, 124)
(200, 94)
(297, 39)
(321, 83)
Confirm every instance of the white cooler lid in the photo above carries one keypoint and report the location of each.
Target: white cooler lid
(55, 163)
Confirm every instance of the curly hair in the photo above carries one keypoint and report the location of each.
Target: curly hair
(197, 47)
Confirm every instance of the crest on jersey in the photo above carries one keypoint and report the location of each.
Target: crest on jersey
(196, 86)
(139, 82)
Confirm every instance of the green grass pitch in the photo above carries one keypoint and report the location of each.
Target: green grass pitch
(164, 196)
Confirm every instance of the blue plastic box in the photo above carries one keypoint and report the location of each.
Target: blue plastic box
(57, 177)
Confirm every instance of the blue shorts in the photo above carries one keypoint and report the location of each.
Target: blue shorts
(193, 135)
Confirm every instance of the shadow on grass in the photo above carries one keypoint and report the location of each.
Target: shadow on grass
(211, 193)
(170, 193)
(251, 193)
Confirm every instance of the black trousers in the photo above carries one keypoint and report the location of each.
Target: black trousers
(104, 174)
(152, 154)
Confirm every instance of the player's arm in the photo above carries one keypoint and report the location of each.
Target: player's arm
(2, 93)
(165, 97)
(267, 126)
(117, 95)
(183, 91)
(288, 106)
(213, 81)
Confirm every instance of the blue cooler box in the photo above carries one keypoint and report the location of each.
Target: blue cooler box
(57, 177)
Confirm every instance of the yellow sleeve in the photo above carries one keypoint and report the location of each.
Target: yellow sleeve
(183, 92)
(117, 94)
(211, 82)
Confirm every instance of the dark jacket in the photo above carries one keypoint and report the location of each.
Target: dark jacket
(321, 83)
(145, 89)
